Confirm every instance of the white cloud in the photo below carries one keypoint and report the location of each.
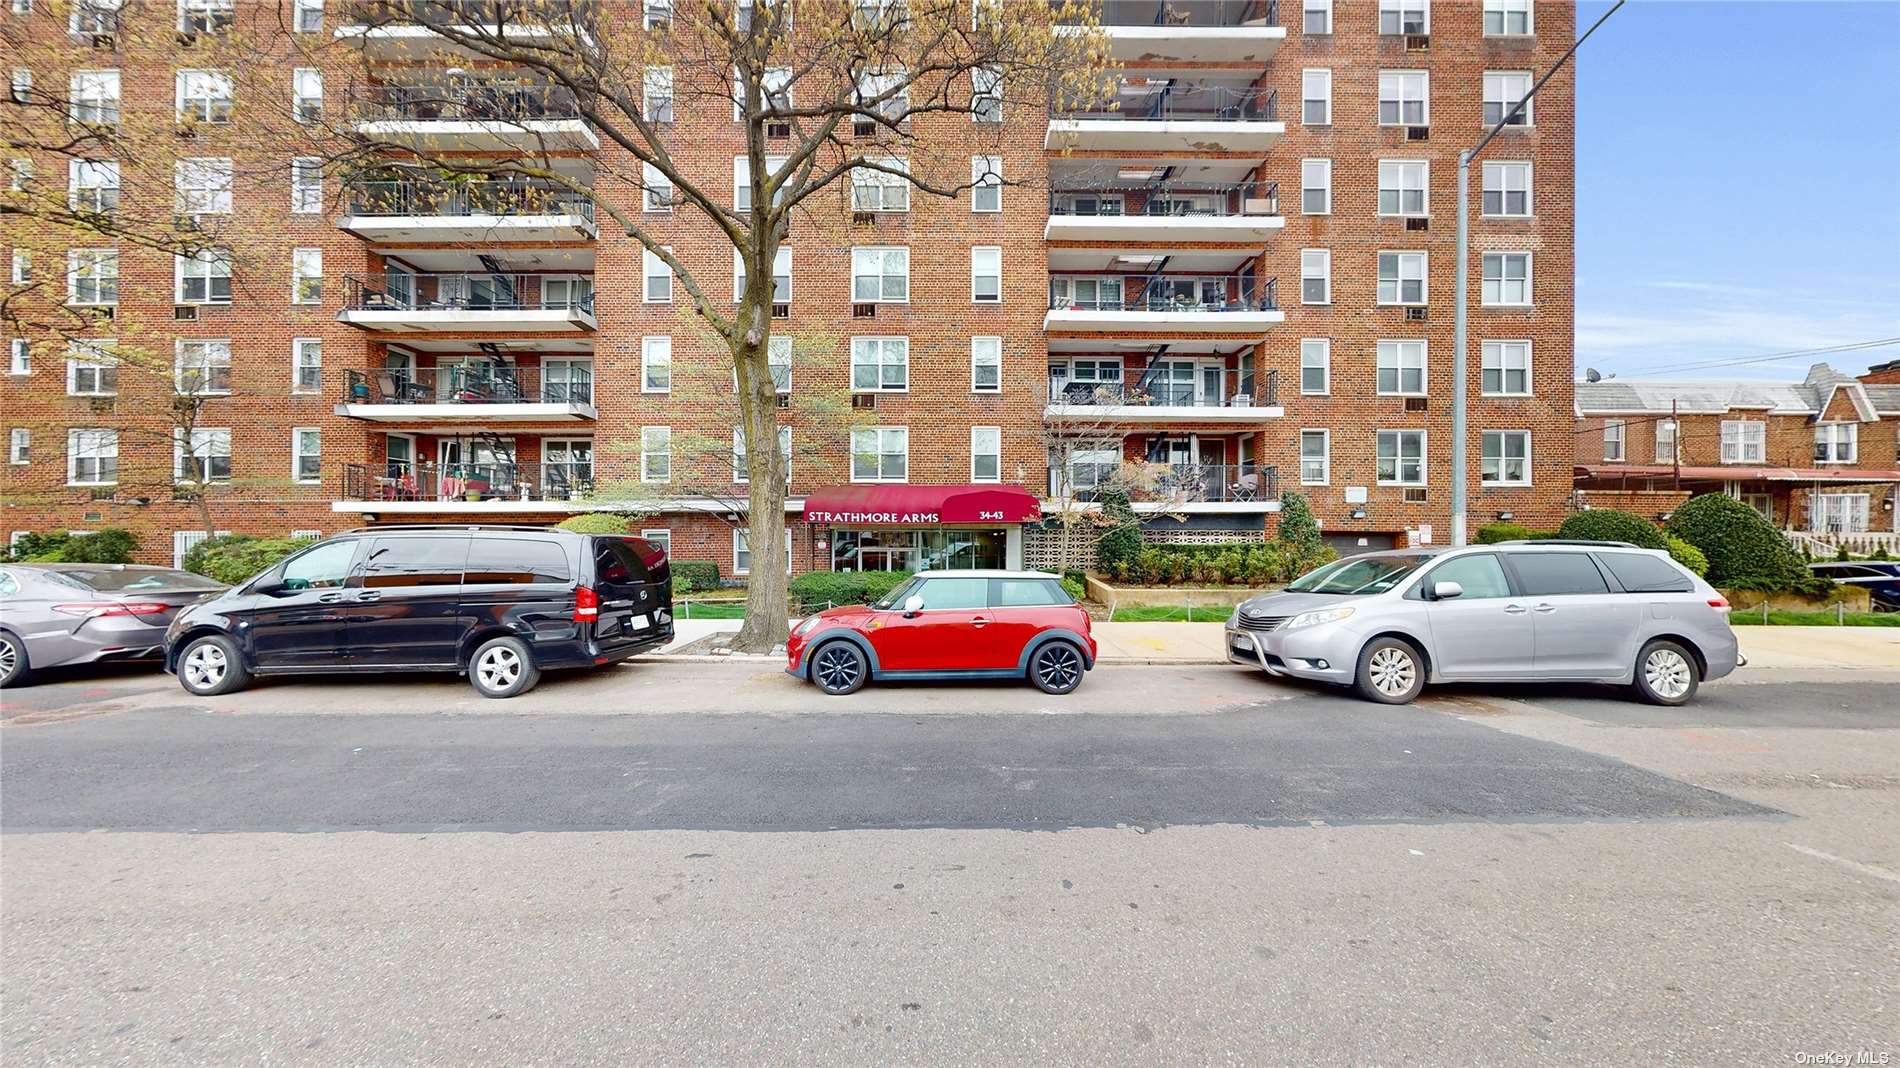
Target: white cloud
(1729, 322)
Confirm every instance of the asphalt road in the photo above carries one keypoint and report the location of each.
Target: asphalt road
(1193, 865)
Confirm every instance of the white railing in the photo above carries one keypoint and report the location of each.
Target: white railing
(1827, 543)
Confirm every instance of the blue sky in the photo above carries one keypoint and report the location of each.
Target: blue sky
(1738, 184)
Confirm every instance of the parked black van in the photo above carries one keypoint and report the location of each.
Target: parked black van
(496, 603)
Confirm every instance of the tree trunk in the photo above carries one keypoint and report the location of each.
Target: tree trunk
(767, 612)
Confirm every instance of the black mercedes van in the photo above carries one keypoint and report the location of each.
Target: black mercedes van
(496, 603)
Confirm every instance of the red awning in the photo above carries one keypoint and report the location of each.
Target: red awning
(1738, 473)
(910, 506)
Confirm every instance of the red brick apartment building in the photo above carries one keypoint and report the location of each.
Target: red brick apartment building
(1819, 457)
(1242, 270)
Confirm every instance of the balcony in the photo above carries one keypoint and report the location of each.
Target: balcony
(476, 392)
(1163, 487)
(1162, 116)
(499, 116)
(1197, 395)
(469, 303)
(1191, 31)
(1239, 305)
(1246, 213)
(399, 484)
(408, 29)
(420, 212)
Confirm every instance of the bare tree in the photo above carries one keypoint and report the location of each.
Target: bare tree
(1086, 464)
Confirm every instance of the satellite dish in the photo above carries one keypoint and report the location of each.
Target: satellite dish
(1590, 374)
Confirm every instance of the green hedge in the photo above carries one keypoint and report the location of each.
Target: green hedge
(1608, 524)
(1239, 563)
(111, 545)
(690, 575)
(595, 523)
(1687, 555)
(1492, 533)
(1740, 545)
(814, 588)
(235, 558)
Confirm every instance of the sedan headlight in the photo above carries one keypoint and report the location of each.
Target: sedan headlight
(1314, 619)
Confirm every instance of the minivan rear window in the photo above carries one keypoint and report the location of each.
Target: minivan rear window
(1543, 574)
(515, 561)
(1645, 574)
(615, 562)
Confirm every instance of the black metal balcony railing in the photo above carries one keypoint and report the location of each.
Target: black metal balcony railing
(469, 291)
(1212, 294)
(1168, 199)
(578, 13)
(1177, 385)
(1110, 13)
(1177, 483)
(455, 199)
(483, 101)
(473, 383)
(1185, 102)
(567, 481)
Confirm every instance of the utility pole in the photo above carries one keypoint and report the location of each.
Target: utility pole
(1460, 416)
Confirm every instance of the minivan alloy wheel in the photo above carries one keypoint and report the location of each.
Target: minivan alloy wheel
(205, 666)
(1393, 671)
(1667, 673)
(497, 668)
(9, 657)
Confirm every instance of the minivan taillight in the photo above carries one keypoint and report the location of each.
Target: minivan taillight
(1720, 604)
(586, 604)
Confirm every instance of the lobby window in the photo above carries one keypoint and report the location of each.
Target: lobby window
(203, 96)
(202, 368)
(202, 455)
(1744, 441)
(92, 457)
(881, 188)
(986, 274)
(1836, 443)
(92, 184)
(1507, 190)
(1399, 458)
(306, 276)
(880, 274)
(1401, 368)
(93, 96)
(306, 365)
(1316, 96)
(1315, 457)
(986, 365)
(204, 277)
(880, 364)
(1405, 98)
(1614, 432)
(1316, 366)
(306, 454)
(203, 186)
(1507, 278)
(1316, 187)
(91, 370)
(92, 276)
(656, 454)
(1403, 184)
(880, 454)
(657, 275)
(1506, 368)
(1401, 278)
(986, 184)
(1316, 17)
(656, 365)
(306, 185)
(1507, 18)
(986, 454)
(1506, 458)
(1502, 90)
(1405, 17)
(1316, 276)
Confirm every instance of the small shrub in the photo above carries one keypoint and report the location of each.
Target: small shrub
(1120, 545)
(1841, 554)
(814, 588)
(1074, 587)
(1880, 553)
(595, 523)
(111, 545)
(1493, 533)
(697, 574)
(1608, 524)
(1740, 545)
(236, 558)
(1687, 555)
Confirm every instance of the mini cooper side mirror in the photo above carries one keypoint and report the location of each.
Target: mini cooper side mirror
(1445, 591)
(913, 605)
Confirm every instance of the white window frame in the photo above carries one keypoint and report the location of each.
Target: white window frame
(1403, 357)
(986, 351)
(986, 183)
(1836, 443)
(95, 96)
(740, 538)
(306, 95)
(1853, 509)
(879, 436)
(660, 536)
(1615, 441)
(1401, 88)
(1498, 178)
(20, 446)
(306, 276)
(656, 191)
(298, 454)
(1316, 174)
(1491, 289)
(93, 178)
(184, 269)
(98, 444)
(986, 95)
(19, 356)
(1323, 346)
(1315, 27)
(742, 181)
(299, 347)
(301, 8)
(656, 454)
(862, 256)
(1485, 440)
(1504, 9)
(1497, 356)
(657, 101)
(1402, 177)
(201, 358)
(1399, 437)
(1403, 262)
(203, 96)
(1323, 257)
(1497, 91)
(94, 357)
(654, 269)
(1668, 430)
(100, 268)
(1742, 437)
(203, 448)
(881, 191)
(1325, 458)
(656, 354)
(993, 434)
(978, 253)
(1398, 10)
(208, 11)
(873, 352)
(774, 348)
(1316, 84)
(22, 267)
(741, 457)
(781, 275)
(203, 185)
(306, 185)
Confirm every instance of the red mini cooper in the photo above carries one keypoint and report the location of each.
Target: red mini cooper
(950, 625)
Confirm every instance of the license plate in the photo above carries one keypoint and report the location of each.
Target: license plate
(638, 622)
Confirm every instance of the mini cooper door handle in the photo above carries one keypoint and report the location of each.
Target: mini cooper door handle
(979, 621)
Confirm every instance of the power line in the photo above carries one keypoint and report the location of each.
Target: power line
(1852, 346)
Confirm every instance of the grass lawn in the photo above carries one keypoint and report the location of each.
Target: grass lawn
(709, 610)
(1746, 616)
(1171, 613)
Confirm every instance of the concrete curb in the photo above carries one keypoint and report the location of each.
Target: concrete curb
(1103, 661)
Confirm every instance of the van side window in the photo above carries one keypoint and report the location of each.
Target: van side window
(515, 561)
(1481, 575)
(323, 567)
(1645, 574)
(1556, 574)
(415, 561)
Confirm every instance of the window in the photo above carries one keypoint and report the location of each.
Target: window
(204, 277)
(203, 455)
(306, 185)
(1315, 457)
(1506, 368)
(1401, 278)
(656, 365)
(880, 364)
(1507, 190)
(19, 174)
(986, 454)
(92, 276)
(92, 457)
(656, 454)
(1316, 97)
(21, 87)
(1542, 574)
(517, 561)
(872, 90)
(87, 16)
(986, 365)
(781, 275)
(742, 181)
(1316, 276)
(657, 14)
(986, 184)
(1838, 513)
(94, 96)
(567, 381)
(742, 551)
(1614, 432)
(1507, 278)
(657, 94)
(91, 371)
(202, 367)
(204, 16)
(1502, 90)
(1316, 365)
(1402, 186)
(885, 187)
(778, 355)
(949, 594)
(1405, 98)
(306, 365)
(661, 537)
(1316, 186)
(1400, 458)
(986, 274)
(20, 357)
(986, 94)
(741, 458)
(410, 561)
(658, 287)
(1317, 17)
(1507, 18)
(203, 96)
(22, 267)
(1743, 442)
(306, 276)
(204, 186)
(658, 189)
(1481, 576)
(92, 184)
(308, 16)
(306, 454)
(1666, 438)
(880, 454)
(1506, 458)
(20, 446)
(327, 566)
(1027, 593)
(1090, 465)
(1836, 443)
(1401, 368)
(306, 95)
(1404, 16)
(880, 274)
(1645, 574)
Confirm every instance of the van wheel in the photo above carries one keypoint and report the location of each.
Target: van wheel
(839, 668)
(1056, 668)
(1666, 673)
(14, 669)
(503, 667)
(212, 665)
(1391, 671)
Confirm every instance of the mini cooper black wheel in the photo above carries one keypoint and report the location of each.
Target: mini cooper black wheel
(1056, 668)
(212, 665)
(839, 668)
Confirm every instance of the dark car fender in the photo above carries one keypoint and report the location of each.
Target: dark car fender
(823, 635)
(1056, 634)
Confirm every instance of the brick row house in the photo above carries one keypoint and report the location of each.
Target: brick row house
(1819, 458)
(1238, 274)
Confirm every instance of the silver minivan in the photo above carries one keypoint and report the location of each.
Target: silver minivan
(1387, 623)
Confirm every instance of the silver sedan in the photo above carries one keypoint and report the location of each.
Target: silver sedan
(54, 614)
